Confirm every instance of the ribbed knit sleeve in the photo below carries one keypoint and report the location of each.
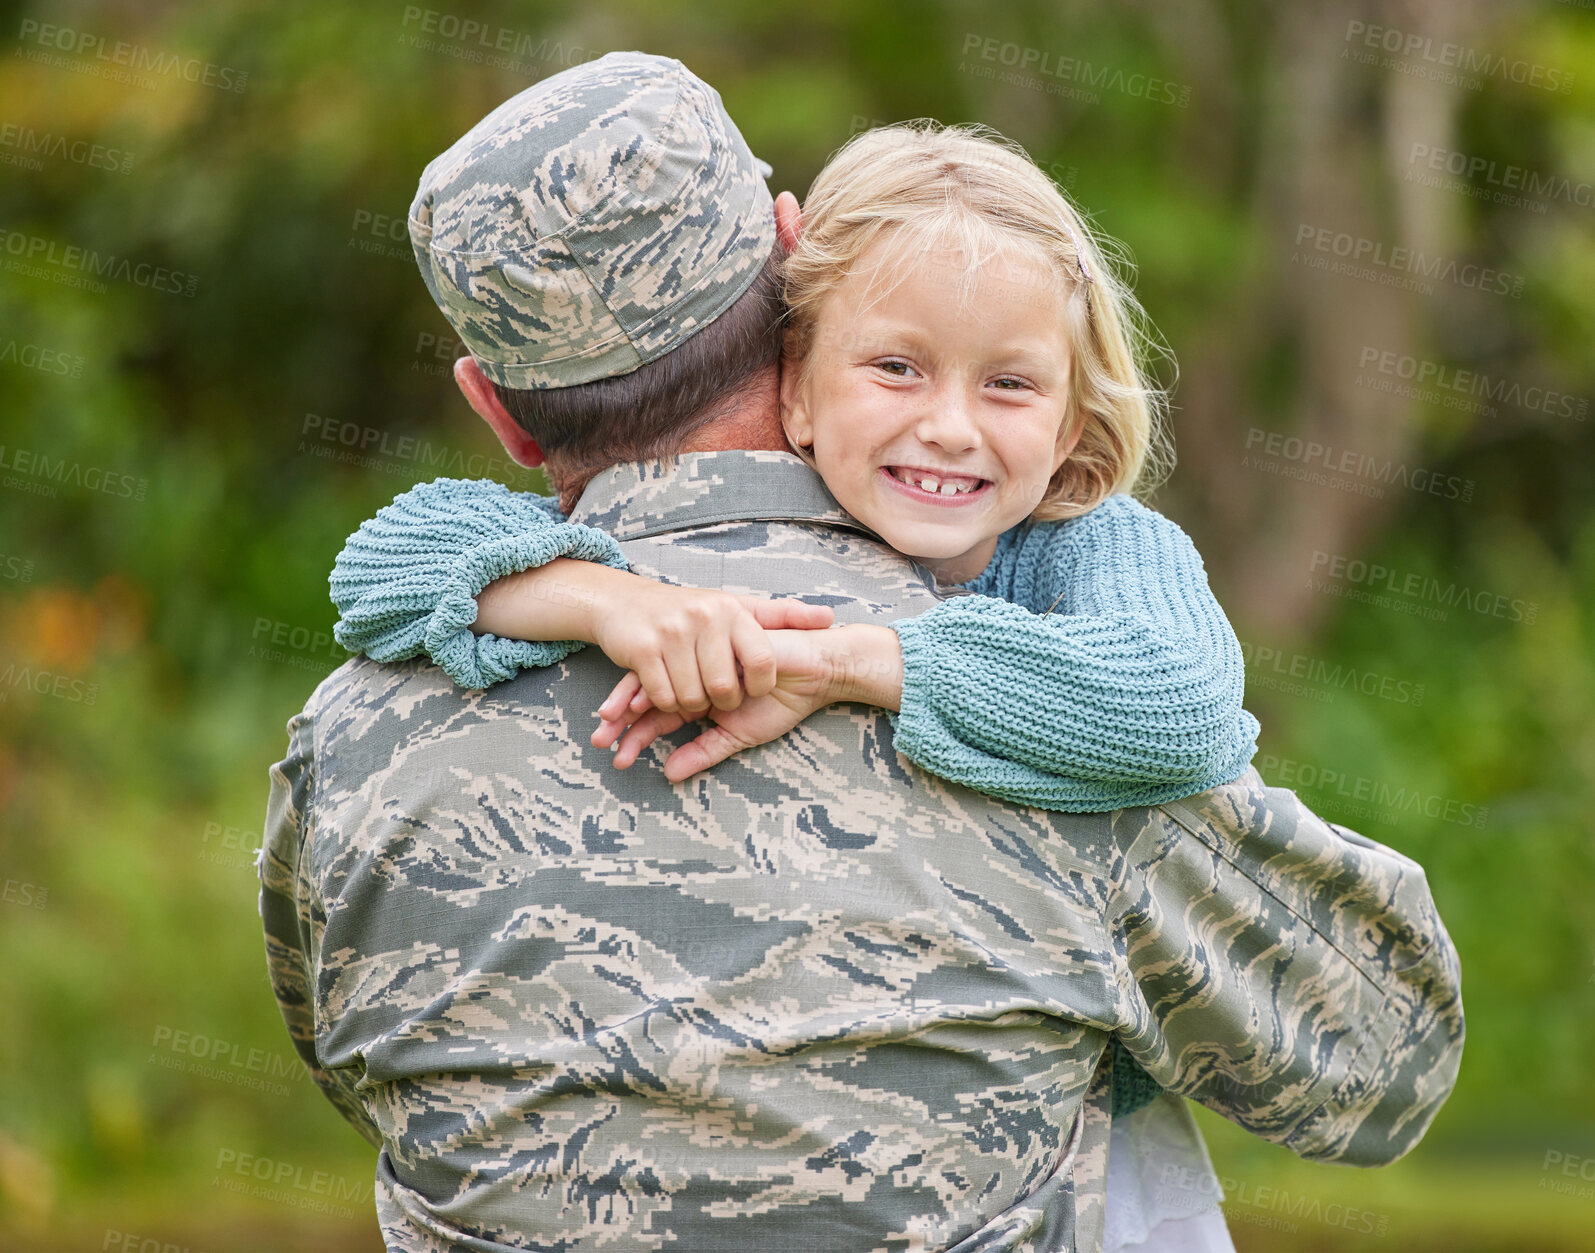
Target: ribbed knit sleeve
(1128, 692)
(406, 581)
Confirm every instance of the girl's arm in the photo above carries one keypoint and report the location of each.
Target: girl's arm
(1097, 672)
(406, 582)
(487, 582)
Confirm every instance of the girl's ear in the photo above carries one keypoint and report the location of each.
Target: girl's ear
(1074, 421)
(1067, 443)
(795, 419)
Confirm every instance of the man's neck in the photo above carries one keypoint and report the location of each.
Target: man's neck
(750, 420)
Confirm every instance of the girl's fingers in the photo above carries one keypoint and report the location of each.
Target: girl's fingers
(717, 664)
(787, 613)
(654, 675)
(610, 730)
(709, 749)
(644, 732)
(681, 660)
(755, 655)
(630, 686)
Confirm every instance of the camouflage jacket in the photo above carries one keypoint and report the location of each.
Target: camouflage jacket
(815, 999)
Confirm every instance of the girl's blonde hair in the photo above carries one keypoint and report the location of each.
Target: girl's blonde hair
(965, 190)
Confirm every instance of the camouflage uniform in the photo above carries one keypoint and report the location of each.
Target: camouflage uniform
(815, 999)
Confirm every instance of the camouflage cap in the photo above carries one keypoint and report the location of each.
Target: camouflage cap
(593, 222)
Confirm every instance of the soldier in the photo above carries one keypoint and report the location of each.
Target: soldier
(815, 999)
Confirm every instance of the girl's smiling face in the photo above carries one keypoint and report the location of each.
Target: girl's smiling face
(933, 412)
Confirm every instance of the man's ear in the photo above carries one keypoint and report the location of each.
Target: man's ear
(479, 394)
(788, 220)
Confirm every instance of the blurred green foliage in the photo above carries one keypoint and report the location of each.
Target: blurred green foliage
(163, 602)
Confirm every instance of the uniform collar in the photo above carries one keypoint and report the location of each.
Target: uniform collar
(644, 498)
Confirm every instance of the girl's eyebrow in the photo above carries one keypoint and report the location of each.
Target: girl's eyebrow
(1032, 361)
(873, 327)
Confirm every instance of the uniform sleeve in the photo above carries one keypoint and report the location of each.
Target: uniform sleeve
(406, 582)
(1101, 673)
(293, 919)
(1288, 973)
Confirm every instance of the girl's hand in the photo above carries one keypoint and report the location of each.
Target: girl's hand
(692, 649)
(814, 669)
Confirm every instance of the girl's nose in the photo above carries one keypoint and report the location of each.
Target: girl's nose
(948, 421)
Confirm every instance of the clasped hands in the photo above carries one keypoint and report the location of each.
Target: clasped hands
(753, 667)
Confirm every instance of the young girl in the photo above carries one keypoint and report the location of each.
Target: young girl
(964, 370)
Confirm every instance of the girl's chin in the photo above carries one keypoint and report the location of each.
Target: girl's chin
(911, 540)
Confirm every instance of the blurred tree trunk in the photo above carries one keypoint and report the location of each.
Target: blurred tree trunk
(1321, 165)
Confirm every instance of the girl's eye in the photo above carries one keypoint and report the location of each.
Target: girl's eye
(897, 369)
(1010, 384)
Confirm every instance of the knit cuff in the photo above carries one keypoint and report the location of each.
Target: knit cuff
(915, 727)
(478, 661)
(926, 732)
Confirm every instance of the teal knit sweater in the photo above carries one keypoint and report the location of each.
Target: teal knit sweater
(1091, 668)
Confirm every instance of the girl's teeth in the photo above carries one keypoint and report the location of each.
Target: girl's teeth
(934, 485)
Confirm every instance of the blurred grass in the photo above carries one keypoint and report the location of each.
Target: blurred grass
(1429, 1202)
